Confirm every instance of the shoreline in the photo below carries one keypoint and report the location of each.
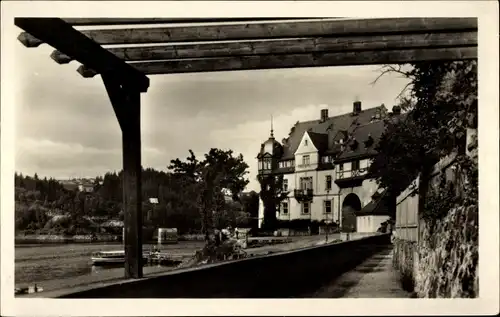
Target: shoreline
(50, 239)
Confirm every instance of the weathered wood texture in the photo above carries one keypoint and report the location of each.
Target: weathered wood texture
(341, 44)
(126, 104)
(131, 21)
(321, 28)
(63, 37)
(302, 60)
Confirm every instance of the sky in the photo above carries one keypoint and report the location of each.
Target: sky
(65, 125)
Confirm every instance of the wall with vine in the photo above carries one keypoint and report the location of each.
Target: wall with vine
(444, 261)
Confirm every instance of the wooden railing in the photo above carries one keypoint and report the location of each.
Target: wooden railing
(352, 173)
(303, 194)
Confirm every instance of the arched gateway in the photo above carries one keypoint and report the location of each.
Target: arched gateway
(350, 206)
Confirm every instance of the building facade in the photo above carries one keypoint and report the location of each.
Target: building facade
(324, 164)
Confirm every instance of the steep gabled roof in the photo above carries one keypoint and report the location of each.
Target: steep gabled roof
(376, 207)
(320, 141)
(345, 122)
(360, 135)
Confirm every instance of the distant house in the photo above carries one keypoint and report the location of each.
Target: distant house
(69, 185)
(86, 187)
(83, 185)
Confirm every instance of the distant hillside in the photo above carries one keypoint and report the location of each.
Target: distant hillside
(79, 206)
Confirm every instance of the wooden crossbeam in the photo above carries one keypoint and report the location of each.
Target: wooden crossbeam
(300, 60)
(342, 44)
(132, 21)
(63, 37)
(245, 31)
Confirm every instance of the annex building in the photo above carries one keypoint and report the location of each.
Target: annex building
(324, 163)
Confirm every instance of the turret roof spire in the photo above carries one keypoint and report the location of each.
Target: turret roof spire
(272, 131)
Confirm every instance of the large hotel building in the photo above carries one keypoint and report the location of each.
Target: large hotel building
(324, 163)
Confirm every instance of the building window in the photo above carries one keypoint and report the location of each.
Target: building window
(267, 164)
(327, 159)
(355, 165)
(285, 207)
(306, 183)
(306, 160)
(305, 142)
(341, 167)
(328, 206)
(285, 185)
(328, 182)
(306, 206)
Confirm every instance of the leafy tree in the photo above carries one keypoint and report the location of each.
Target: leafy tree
(441, 105)
(219, 173)
(251, 207)
(272, 194)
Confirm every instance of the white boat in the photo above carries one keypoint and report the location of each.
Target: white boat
(110, 257)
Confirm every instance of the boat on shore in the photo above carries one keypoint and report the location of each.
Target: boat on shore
(111, 257)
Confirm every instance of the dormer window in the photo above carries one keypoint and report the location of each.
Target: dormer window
(354, 144)
(369, 141)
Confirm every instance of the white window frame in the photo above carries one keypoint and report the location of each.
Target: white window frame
(328, 181)
(306, 160)
(285, 207)
(304, 181)
(267, 164)
(324, 207)
(285, 184)
(303, 205)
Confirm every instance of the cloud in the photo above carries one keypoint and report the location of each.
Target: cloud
(65, 124)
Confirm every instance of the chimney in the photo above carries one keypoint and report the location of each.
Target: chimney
(356, 107)
(396, 110)
(324, 115)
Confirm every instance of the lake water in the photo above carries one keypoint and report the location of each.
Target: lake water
(45, 264)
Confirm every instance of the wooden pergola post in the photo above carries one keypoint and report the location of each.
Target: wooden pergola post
(126, 103)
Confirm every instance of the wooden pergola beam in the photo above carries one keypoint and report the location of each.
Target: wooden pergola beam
(71, 42)
(317, 28)
(132, 21)
(342, 44)
(299, 60)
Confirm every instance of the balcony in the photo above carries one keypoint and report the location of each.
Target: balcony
(351, 178)
(310, 166)
(303, 195)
